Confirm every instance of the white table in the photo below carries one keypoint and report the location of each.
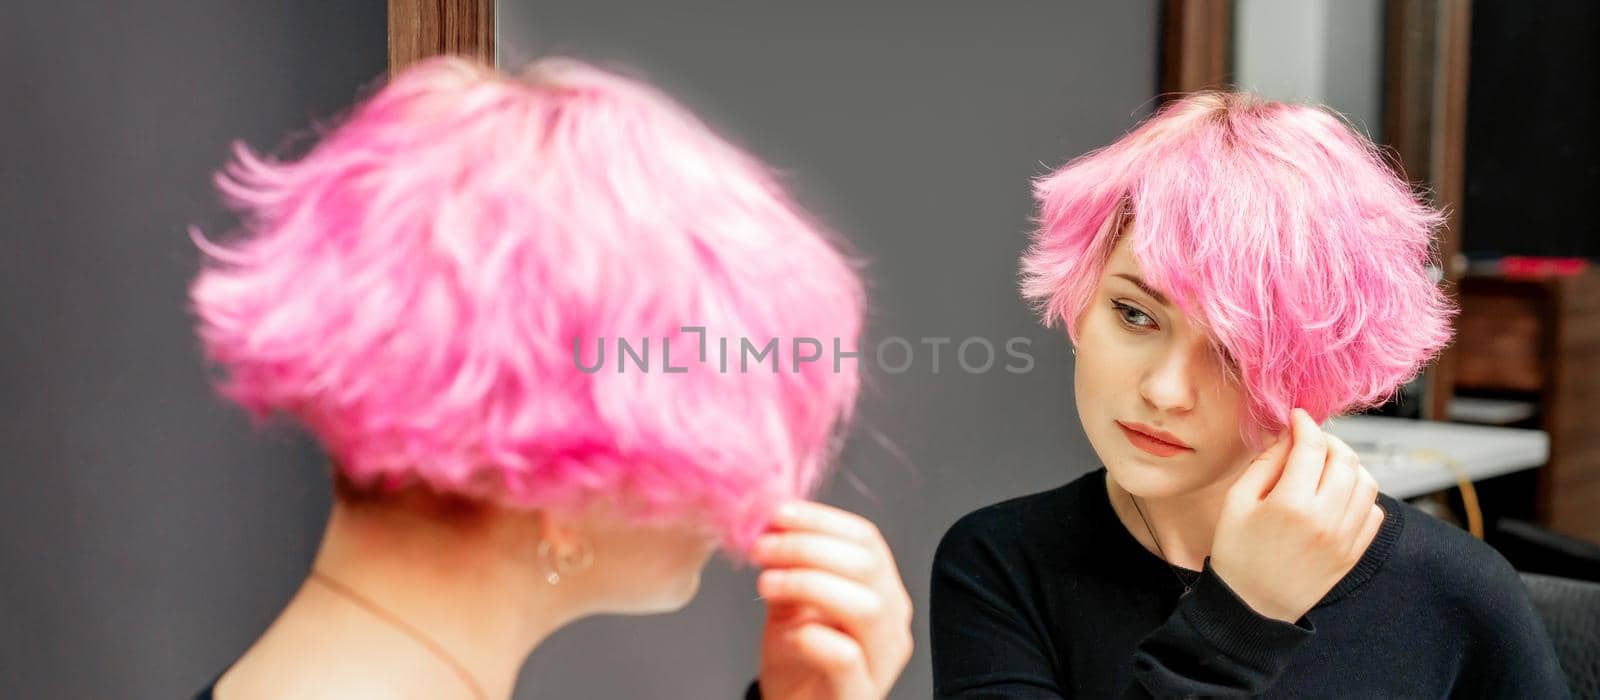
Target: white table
(1389, 449)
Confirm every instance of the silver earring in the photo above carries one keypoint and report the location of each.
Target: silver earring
(573, 561)
(1074, 351)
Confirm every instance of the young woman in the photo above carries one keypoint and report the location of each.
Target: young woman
(1231, 273)
(439, 292)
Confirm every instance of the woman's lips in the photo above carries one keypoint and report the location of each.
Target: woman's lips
(1151, 444)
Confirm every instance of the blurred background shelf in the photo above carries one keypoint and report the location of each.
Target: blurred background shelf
(1536, 342)
(1484, 411)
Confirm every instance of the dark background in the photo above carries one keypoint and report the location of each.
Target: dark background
(1533, 129)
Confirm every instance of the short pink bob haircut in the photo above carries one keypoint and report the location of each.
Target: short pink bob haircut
(1276, 228)
(414, 291)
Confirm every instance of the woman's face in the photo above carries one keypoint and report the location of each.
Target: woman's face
(1142, 368)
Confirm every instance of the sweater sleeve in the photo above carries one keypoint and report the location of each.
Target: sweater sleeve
(1212, 645)
(988, 638)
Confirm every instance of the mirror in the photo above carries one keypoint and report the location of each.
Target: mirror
(1326, 52)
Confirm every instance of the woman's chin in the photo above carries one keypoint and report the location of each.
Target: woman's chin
(667, 599)
(686, 594)
(1146, 480)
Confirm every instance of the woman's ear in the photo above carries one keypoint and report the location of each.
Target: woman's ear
(560, 531)
(564, 547)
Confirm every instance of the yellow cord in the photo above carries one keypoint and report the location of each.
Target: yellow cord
(1469, 494)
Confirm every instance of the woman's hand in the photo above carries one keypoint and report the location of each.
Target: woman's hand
(1295, 522)
(838, 616)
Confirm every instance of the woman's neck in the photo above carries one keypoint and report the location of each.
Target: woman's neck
(1183, 526)
(473, 589)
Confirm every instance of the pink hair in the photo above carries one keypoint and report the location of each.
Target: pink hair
(1276, 227)
(416, 288)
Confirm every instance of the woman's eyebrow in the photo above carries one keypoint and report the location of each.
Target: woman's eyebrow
(1137, 282)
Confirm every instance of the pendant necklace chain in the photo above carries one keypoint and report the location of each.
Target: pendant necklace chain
(1181, 581)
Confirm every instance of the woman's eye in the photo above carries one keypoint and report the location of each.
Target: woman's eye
(1133, 317)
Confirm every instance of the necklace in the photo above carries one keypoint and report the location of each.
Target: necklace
(394, 620)
(1175, 573)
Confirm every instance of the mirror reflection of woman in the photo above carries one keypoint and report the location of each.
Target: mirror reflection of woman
(1230, 274)
(423, 292)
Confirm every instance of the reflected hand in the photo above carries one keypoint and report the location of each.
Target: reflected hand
(838, 615)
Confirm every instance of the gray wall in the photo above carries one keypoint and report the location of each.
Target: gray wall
(148, 534)
(912, 127)
(151, 533)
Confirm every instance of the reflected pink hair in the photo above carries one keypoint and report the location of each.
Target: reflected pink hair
(414, 291)
(1274, 226)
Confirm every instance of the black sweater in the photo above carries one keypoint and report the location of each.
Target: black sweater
(1049, 596)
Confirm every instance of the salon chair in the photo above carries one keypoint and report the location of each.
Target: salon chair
(1571, 613)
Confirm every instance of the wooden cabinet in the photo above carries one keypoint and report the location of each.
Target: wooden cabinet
(1541, 338)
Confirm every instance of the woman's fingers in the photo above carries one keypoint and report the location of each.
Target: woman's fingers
(1341, 455)
(1262, 473)
(1338, 481)
(1356, 491)
(1341, 479)
(835, 569)
(1369, 530)
(809, 550)
(804, 657)
(810, 516)
(841, 601)
(1282, 554)
(823, 647)
(835, 538)
(1306, 460)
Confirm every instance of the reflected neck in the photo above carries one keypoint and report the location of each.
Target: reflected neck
(473, 589)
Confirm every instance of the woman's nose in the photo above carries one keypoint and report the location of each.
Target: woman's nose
(1169, 387)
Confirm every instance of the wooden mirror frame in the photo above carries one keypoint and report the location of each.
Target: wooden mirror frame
(422, 28)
